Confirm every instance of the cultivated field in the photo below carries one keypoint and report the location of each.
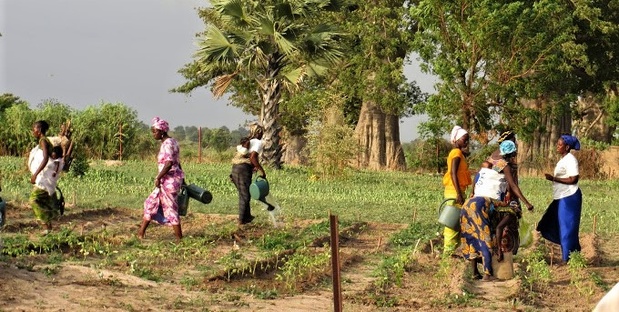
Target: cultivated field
(389, 243)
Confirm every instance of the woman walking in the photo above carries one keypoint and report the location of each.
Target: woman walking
(161, 205)
(456, 180)
(561, 221)
(43, 195)
(242, 170)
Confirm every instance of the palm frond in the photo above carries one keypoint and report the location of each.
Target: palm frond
(222, 83)
(215, 47)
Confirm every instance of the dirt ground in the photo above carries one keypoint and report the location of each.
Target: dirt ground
(426, 285)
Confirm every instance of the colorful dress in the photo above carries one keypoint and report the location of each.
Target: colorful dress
(479, 218)
(161, 205)
(43, 197)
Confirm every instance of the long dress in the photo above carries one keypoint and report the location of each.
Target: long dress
(161, 205)
(451, 237)
(561, 222)
(42, 197)
(479, 219)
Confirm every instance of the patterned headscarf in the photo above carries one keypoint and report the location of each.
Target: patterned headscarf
(456, 133)
(506, 135)
(571, 141)
(160, 124)
(507, 147)
(255, 129)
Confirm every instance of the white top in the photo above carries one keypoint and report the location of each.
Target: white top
(490, 184)
(566, 167)
(610, 301)
(255, 145)
(46, 180)
(241, 150)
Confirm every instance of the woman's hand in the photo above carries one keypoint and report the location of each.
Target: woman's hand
(157, 182)
(459, 199)
(33, 179)
(549, 177)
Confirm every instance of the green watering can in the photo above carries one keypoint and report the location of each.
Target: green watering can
(259, 189)
(449, 215)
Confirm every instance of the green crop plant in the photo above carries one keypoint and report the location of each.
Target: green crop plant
(302, 266)
(536, 274)
(391, 270)
(577, 267)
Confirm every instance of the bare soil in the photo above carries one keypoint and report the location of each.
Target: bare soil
(429, 284)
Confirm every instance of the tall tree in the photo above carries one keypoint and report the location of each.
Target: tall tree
(268, 45)
(489, 55)
(377, 91)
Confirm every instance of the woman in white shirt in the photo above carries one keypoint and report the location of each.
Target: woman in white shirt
(561, 221)
(242, 170)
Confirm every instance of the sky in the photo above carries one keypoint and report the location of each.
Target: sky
(87, 52)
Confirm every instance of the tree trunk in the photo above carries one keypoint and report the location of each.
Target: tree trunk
(294, 153)
(378, 135)
(271, 96)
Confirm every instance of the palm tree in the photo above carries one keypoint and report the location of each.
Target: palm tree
(272, 44)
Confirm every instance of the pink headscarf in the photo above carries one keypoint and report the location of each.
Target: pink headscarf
(160, 124)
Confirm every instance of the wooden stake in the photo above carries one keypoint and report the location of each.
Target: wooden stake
(335, 264)
(199, 144)
(595, 221)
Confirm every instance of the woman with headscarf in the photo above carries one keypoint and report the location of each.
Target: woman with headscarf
(487, 223)
(561, 221)
(456, 180)
(161, 205)
(43, 195)
(242, 170)
(511, 171)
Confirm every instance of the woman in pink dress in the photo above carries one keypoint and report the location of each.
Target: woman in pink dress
(161, 205)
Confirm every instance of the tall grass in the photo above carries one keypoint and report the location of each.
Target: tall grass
(393, 197)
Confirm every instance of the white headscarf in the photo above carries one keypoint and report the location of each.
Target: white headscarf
(456, 133)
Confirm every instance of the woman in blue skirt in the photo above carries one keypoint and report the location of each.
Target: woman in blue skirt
(561, 221)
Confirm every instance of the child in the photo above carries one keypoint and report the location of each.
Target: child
(242, 152)
(57, 160)
(489, 183)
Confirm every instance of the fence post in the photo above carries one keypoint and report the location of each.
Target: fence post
(199, 145)
(335, 264)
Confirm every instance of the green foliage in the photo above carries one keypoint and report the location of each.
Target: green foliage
(303, 265)
(536, 274)
(266, 48)
(427, 155)
(330, 140)
(489, 55)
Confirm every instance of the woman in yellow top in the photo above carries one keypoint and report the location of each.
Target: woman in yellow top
(456, 180)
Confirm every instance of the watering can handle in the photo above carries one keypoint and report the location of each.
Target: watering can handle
(440, 207)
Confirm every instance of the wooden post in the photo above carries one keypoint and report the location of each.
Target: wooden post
(335, 264)
(595, 221)
(120, 139)
(199, 144)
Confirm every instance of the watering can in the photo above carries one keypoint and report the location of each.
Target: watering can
(449, 215)
(183, 201)
(259, 189)
(199, 193)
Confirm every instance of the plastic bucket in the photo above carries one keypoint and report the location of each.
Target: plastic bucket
(449, 215)
(505, 269)
(183, 201)
(199, 193)
(259, 189)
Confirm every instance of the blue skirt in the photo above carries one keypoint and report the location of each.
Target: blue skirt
(561, 222)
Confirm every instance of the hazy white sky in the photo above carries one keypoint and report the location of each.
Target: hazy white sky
(85, 52)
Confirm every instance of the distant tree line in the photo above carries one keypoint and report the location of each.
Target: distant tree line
(104, 131)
